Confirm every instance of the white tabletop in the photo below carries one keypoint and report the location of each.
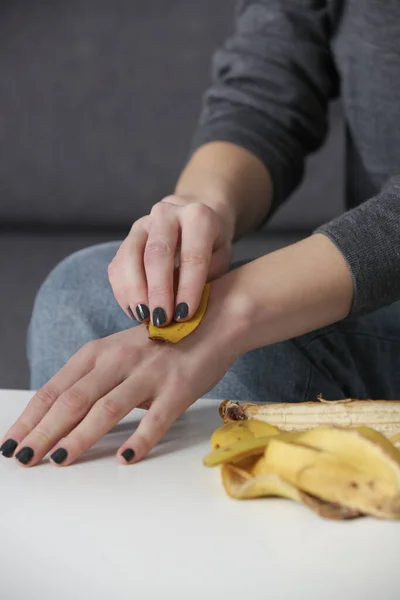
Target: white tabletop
(164, 528)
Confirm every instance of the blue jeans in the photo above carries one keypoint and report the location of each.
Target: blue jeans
(356, 358)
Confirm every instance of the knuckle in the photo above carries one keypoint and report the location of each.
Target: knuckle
(124, 353)
(194, 259)
(159, 421)
(111, 407)
(92, 348)
(75, 399)
(77, 442)
(144, 443)
(159, 209)
(197, 210)
(158, 291)
(43, 437)
(157, 248)
(138, 223)
(46, 397)
(170, 199)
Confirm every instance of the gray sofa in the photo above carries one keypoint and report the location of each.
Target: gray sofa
(98, 100)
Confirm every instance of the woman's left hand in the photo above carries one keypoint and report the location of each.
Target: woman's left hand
(108, 378)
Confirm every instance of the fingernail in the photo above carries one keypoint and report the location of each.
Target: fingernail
(25, 455)
(142, 312)
(128, 454)
(130, 311)
(8, 448)
(182, 311)
(59, 455)
(159, 317)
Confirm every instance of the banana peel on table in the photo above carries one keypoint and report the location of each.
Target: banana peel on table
(338, 472)
(381, 415)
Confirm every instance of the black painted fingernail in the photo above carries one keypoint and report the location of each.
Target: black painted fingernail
(128, 454)
(142, 312)
(8, 448)
(130, 311)
(182, 311)
(25, 455)
(159, 317)
(59, 455)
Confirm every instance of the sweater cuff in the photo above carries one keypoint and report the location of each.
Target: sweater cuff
(368, 239)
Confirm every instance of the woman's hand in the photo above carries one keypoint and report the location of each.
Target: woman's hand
(177, 232)
(108, 378)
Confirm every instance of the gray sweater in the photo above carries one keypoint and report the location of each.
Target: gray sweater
(272, 82)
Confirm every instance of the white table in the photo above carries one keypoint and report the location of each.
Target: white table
(165, 529)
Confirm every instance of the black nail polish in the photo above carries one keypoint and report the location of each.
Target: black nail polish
(8, 448)
(25, 455)
(182, 311)
(159, 317)
(130, 311)
(142, 312)
(128, 454)
(59, 455)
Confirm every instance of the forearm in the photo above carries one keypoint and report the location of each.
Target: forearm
(282, 295)
(230, 180)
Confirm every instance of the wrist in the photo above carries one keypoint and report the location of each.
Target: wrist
(228, 316)
(282, 295)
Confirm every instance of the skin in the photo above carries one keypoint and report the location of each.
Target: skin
(222, 194)
(281, 295)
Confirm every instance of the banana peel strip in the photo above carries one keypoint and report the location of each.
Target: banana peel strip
(176, 330)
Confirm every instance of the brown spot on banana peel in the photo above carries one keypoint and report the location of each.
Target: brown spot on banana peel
(231, 411)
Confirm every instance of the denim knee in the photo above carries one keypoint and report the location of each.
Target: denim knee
(74, 305)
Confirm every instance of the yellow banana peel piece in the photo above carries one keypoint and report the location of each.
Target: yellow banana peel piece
(241, 485)
(243, 449)
(362, 448)
(176, 331)
(372, 488)
(230, 433)
(237, 452)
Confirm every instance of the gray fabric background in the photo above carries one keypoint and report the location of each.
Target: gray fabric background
(98, 101)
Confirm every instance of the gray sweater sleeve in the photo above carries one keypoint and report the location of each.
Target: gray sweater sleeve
(271, 85)
(369, 238)
(272, 81)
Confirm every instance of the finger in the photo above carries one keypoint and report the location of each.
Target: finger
(65, 414)
(103, 416)
(127, 275)
(77, 367)
(199, 233)
(153, 426)
(159, 260)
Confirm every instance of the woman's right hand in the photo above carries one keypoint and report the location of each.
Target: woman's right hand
(163, 264)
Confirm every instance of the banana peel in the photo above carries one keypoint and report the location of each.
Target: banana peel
(176, 330)
(362, 448)
(241, 485)
(338, 472)
(230, 433)
(237, 452)
(334, 479)
(381, 415)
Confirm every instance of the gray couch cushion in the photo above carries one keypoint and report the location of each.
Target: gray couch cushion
(98, 101)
